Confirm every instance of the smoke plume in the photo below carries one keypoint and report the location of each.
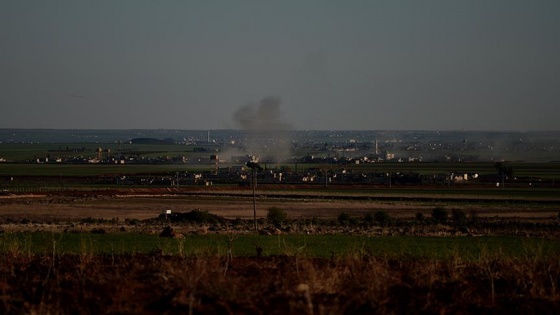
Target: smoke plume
(265, 115)
(267, 133)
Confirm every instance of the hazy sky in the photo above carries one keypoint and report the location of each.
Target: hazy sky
(472, 65)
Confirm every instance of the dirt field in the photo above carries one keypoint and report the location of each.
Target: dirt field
(75, 207)
(61, 211)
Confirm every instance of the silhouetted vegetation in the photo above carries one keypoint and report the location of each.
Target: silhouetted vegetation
(439, 215)
(196, 216)
(381, 217)
(276, 216)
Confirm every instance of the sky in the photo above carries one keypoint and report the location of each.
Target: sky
(307, 65)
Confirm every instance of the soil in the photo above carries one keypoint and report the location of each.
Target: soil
(144, 204)
(56, 210)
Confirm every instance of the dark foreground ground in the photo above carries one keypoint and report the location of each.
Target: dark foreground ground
(156, 284)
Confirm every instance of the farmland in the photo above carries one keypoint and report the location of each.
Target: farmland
(102, 248)
(193, 275)
(87, 237)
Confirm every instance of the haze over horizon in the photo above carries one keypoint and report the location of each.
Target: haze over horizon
(303, 65)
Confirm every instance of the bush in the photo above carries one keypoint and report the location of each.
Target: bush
(343, 218)
(459, 216)
(439, 215)
(314, 220)
(132, 221)
(381, 217)
(89, 220)
(197, 216)
(473, 217)
(276, 216)
(419, 216)
(368, 218)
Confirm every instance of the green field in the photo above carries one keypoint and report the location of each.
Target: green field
(309, 246)
(543, 170)
(23, 152)
(69, 170)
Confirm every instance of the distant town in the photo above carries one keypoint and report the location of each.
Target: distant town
(324, 146)
(323, 157)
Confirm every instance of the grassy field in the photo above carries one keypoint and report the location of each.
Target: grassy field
(19, 152)
(128, 273)
(70, 170)
(310, 246)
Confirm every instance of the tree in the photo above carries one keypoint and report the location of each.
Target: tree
(276, 216)
(459, 216)
(343, 218)
(368, 218)
(503, 170)
(381, 217)
(439, 215)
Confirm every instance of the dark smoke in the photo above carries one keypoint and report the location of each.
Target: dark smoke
(267, 132)
(265, 115)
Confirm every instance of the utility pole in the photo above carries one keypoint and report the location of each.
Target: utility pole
(254, 168)
(254, 171)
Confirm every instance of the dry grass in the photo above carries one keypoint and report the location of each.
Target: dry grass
(356, 284)
(359, 283)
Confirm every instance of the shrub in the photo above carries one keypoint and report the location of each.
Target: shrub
(381, 217)
(343, 218)
(459, 216)
(276, 216)
(197, 216)
(473, 217)
(419, 216)
(314, 220)
(368, 218)
(439, 215)
(88, 220)
(132, 221)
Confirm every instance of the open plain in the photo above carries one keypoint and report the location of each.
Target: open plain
(299, 203)
(85, 251)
